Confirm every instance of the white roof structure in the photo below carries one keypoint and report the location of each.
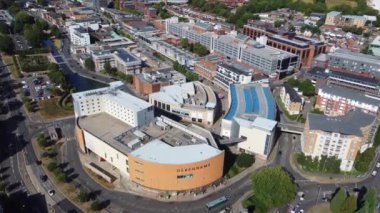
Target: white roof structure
(160, 152)
(258, 122)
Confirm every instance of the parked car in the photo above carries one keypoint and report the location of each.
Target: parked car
(374, 173)
(51, 192)
(43, 178)
(378, 165)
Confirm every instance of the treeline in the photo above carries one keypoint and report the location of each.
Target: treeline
(196, 48)
(249, 10)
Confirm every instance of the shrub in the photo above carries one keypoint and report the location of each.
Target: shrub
(83, 196)
(245, 160)
(95, 206)
(52, 166)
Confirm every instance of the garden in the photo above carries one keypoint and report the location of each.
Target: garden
(33, 63)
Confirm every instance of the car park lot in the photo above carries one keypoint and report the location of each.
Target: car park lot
(20, 42)
(36, 87)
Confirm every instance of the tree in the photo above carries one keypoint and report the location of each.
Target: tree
(83, 196)
(277, 192)
(364, 208)
(338, 200)
(245, 160)
(307, 87)
(349, 205)
(52, 166)
(363, 160)
(370, 198)
(95, 206)
(42, 2)
(89, 64)
(4, 28)
(107, 67)
(6, 44)
(184, 43)
(317, 111)
(55, 32)
(34, 34)
(21, 19)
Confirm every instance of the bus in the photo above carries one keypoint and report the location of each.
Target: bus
(216, 202)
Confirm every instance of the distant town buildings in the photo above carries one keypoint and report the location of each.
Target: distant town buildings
(292, 99)
(150, 82)
(334, 101)
(121, 59)
(120, 129)
(281, 38)
(342, 136)
(192, 102)
(235, 46)
(251, 118)
(335, 18)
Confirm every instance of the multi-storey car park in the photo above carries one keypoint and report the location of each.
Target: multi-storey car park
(251, 118)
(157, 153)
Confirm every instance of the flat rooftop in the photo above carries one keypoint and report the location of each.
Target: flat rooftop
(115, 92)
(163, 140)
(341, 53)
(251, 100)
(106, 128)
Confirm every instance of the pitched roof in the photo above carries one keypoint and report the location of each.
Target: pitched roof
(293, 95)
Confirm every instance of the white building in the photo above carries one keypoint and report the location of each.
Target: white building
(232, 74)
(192, 101)
(79, 36)
(114, 101)
(121, 59)
(251, 118)
(92, 24)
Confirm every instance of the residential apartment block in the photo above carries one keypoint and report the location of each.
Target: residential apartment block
(192, 102)
(150, 82)
(292, 99)
(355, 63)
(206, 69)
(250, 119)
(342, 136)
(334, 101)
(121, 59)
(79, 36)
(232, 74)
(362, 84)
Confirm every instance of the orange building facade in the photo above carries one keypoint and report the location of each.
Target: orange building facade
(172, 177)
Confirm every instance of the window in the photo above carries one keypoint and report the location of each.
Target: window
(184, 176)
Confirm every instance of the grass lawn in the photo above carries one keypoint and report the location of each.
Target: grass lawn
(9, 60)
(57, 43)
(50, 109)
(332, 3)
(324, 207)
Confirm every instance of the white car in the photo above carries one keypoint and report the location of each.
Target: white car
(374, 173)
(378, 165)
(51, 192)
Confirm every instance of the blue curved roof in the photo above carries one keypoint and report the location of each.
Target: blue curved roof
(251, 99)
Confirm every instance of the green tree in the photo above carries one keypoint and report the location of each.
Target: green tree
(21, 19)
(364, 208)
(89, 64)
(34, 34)
(95, 206)
(338, 200)
(107, 67)
(245, 160)
(370, 198)
(185, 43)
(42, 2)
(277, 192)
(317, 111)
(363, 160)
(83, 196)
(4, 28)
(349, 205)
(52, 166)
(307, 87)
(55, 32)
(6, 44)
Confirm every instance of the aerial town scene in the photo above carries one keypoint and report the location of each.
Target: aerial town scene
(190, 106)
